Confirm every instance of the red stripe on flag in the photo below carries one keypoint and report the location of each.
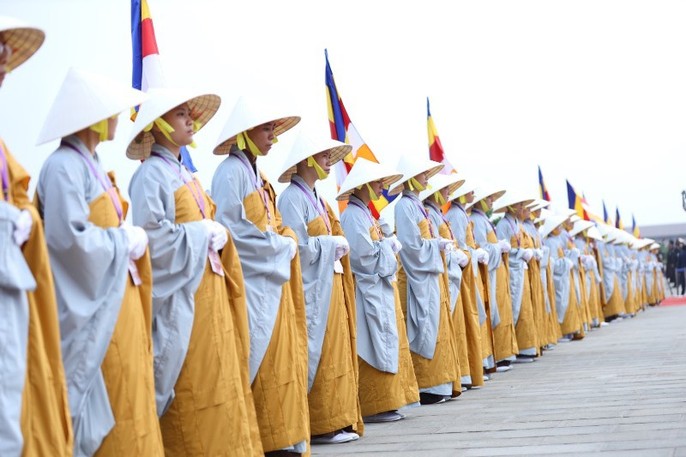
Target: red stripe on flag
(149, 44)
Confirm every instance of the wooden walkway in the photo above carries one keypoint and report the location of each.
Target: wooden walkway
(621, 391)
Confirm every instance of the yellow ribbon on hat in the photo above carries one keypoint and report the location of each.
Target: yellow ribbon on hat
(414, 184)
(244, 142)
(101, 128)
(321, 174)
(462, 199)
(372, 194)
(166, 129)
(439, 198)
(484, 206)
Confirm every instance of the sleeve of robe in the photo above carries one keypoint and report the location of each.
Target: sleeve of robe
(422, 263)
(374, 265)
(481, 229)
(178, 254)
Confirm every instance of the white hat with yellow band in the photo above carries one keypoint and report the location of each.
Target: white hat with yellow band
(304, 147)
(364, 172)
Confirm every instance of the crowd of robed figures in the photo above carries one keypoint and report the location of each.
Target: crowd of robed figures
(239, 324)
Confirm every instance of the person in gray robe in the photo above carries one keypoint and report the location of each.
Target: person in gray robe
(90, 264)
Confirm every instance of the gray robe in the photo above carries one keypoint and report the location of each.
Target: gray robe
(422, 263)
(459, 221)
(482, 226)
(15, 281)
(264, 255)
(178, 254)
(90, 270)
(611, 267)
(507, 228)
(317, 254)
(374, 265)
(560, 274)
(454, 268)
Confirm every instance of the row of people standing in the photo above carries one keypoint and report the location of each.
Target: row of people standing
(236, 325)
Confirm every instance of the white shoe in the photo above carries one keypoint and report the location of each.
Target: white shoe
(338, 438)
(604, 324)
(503, 369)
(523, 359)
(487, 377)
(564, 339)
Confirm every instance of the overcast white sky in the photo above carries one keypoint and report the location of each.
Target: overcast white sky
(592, 91)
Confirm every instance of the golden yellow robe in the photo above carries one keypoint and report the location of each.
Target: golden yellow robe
(443, 367)
(280, 386)
(128, 364)
(504, 334)
(554, 332)
(380, 391)
(537, 297)
(210, 386)
(333, 400)
(45, 420)
(526, 328)
(571, 322)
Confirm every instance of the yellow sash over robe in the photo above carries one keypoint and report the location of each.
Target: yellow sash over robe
(571, 322)
(526, 328)
(504, 334)
(210, 388)
(45, 420)
(443, 367)
(537, 296)
(280, 386)
(128, 364)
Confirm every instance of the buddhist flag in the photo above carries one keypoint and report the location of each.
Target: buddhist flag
(606, 217)
(576, 203)
(634, 228)
(344, 130)
(618, 220)
(436, 152)
(541, 186)
(147, 67)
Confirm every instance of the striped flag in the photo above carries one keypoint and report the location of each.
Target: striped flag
(576, 203)
(634, 228)
(147, 67)
(436, 152)
(618, 220)
(344, 130)
(541, 186)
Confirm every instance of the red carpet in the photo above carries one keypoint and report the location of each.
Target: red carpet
(674, 301)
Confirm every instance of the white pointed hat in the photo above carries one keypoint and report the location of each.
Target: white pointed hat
(23, 39)
(467, 186)
(84, 99)
(304, 146)
(538, 204)
(654, 246)
(580, 226)
(249, 113)
(411, 166)
(508, 199)
(162, 100)
(594, 233)
(365, 171)
(439, 182)
(485, 190)
(550, 223)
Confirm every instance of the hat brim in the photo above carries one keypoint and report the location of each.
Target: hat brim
(281, 125)
(202, 107)
(504, 208)
(388, 181)
(24, 41)
(431, 172)
(336, 154)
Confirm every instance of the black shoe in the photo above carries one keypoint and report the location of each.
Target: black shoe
(426, 398)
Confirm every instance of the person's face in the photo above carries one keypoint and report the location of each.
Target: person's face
(322, 160)
(5, 54)
(377, 186)
(445, 193)
(263, 137)
(181, 121)
(421, 178)
(469, 197)
(112, 127)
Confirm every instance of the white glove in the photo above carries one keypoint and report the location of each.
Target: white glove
(538, 254)
(588, 261)
(574, 253)
(461, 257)
(138, 240)
(569, 262)
(527, 254)
(481, 255)
(22, 227)
(504, 246)
(216, 233)
(446, 245)
(292, 247)
(342, 246)
(395, 244)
